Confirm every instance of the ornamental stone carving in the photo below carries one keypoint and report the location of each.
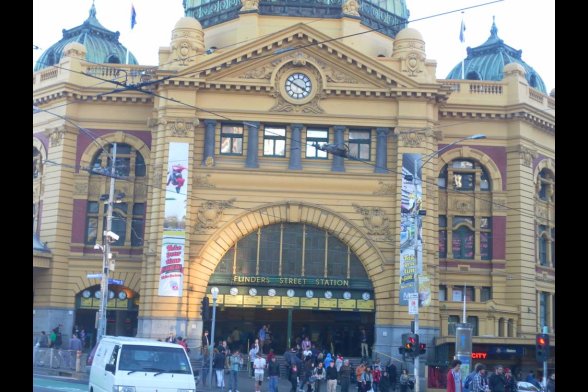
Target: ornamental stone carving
(250, 5)
(56, 137)
(181, 127)
(351, 7)
(411, 138)
(81, 188)
(210, 213)
(385, 189)
(201, 181)
(375, 220)
(527, 155)
(462, 205)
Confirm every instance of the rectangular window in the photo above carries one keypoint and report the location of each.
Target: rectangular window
(442, 237)
(457, 295)
(473, 321)
(138, 224)
(231, 140)
(543, 250)
(486, 245)
(274, 142)
(543, 314)
(319, 137)
(92, 223)
(452, 322)
(442, 293)
(553, 248)
(470, 294)
(486, 294)
(359, 144)
(463, 181)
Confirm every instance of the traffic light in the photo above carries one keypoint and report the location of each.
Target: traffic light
(542, 347)
(422, 348)
(205, 309)
(410, 343)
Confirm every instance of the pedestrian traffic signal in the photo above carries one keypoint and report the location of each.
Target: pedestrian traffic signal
(542, 347)
(410, 343)
(205, 309)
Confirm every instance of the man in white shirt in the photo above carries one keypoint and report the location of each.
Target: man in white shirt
(258, 365)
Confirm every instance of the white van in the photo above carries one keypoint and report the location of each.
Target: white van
(123, 364)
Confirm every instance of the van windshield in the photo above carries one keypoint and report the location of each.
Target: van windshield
(154, 359)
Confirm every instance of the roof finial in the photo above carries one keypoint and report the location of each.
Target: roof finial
(493, 30)
(93, 10)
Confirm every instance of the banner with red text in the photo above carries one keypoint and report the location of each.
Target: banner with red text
(171, 273)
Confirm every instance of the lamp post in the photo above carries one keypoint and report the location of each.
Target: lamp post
(107, 237)
(416, 219)
(214, 292)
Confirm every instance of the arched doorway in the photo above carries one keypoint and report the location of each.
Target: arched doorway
(299, 279)
(121, 311)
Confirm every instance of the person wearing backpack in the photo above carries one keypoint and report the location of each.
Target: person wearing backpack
(454, 377)
(468, 380)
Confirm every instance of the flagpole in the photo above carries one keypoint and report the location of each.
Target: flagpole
(462, 39)
(464, 303)
(133, 23)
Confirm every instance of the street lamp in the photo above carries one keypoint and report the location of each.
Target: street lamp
(107, 237)
(214, 292)
(416, 220)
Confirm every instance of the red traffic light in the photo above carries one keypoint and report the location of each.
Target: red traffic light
(541, 340)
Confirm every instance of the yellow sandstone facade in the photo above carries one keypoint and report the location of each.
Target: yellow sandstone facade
(494, 234)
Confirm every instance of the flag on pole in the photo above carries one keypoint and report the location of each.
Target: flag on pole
(134, 16)
(461, 31)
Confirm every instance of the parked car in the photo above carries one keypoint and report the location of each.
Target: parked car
(524, 386)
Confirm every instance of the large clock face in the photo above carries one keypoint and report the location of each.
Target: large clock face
(298, 85)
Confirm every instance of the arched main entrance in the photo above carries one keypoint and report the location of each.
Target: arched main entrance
(297, 280)
(121, 311)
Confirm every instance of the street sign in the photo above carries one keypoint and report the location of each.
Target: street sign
(413, 303)
(94, 276)
(115, 281)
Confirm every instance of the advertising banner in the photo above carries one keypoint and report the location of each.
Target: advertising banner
(411, 246)
(171, 274)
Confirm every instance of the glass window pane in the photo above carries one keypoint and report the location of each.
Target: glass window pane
(337, 258)
(486, 246)
(314, 252)
(484, 181)
(364, 151)
(225, 145)
(226, 264)
(356, 269)
(268, 147)
(137, 227)
(463, 243)
(317, 134)
(442, 293)
(140, 168)
(362, 135)
(92, 230)
(460, 164)
(92, 207)
(280, 148)
(247, 255)
(274, 132)
(269, 250)
(121, 148)
(237, 146)
(321, 154)
(292, 250)
(443, 244)
(139, 209)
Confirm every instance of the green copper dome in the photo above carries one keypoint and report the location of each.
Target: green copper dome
(387, 16)
(487, 61)
(102, 45)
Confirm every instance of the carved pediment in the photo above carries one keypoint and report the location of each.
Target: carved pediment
(254, 65)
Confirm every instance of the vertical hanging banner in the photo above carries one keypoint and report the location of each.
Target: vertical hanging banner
(411, 244)
(171, 273)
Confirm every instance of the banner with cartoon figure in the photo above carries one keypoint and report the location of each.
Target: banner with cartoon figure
(411, 244)
(171, 274)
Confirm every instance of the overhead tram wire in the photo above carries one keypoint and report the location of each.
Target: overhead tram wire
(365, 162)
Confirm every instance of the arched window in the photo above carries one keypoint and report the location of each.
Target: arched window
(510, 328)
(545, 185)
(501, 323)
(292, 250)
(473, 75)
(113, 59)
(463, 242)
(464, 237)
(463, 174)
(128, 213)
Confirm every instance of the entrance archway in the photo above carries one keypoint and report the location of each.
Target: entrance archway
(121, 312)
(300, 268)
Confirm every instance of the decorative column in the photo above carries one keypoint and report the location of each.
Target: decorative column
(295, 147)
(252, 144)
(382, 150)
(210, 127)
(338, 162)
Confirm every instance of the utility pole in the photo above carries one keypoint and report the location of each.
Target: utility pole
(106, 239)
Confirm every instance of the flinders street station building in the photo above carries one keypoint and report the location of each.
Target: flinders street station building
(316, 174)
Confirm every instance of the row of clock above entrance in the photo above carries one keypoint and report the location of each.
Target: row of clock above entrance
(292, 293)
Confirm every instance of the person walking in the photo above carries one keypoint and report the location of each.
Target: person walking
(43, 340)
(293, 377)
(404, 379)
(253, 355)
(273, 372)
(332, 377)
(345, 376)
(259, 366)
(454, 377)
(235, 363)
(218, 364)
(364, 344)
(497, 381)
